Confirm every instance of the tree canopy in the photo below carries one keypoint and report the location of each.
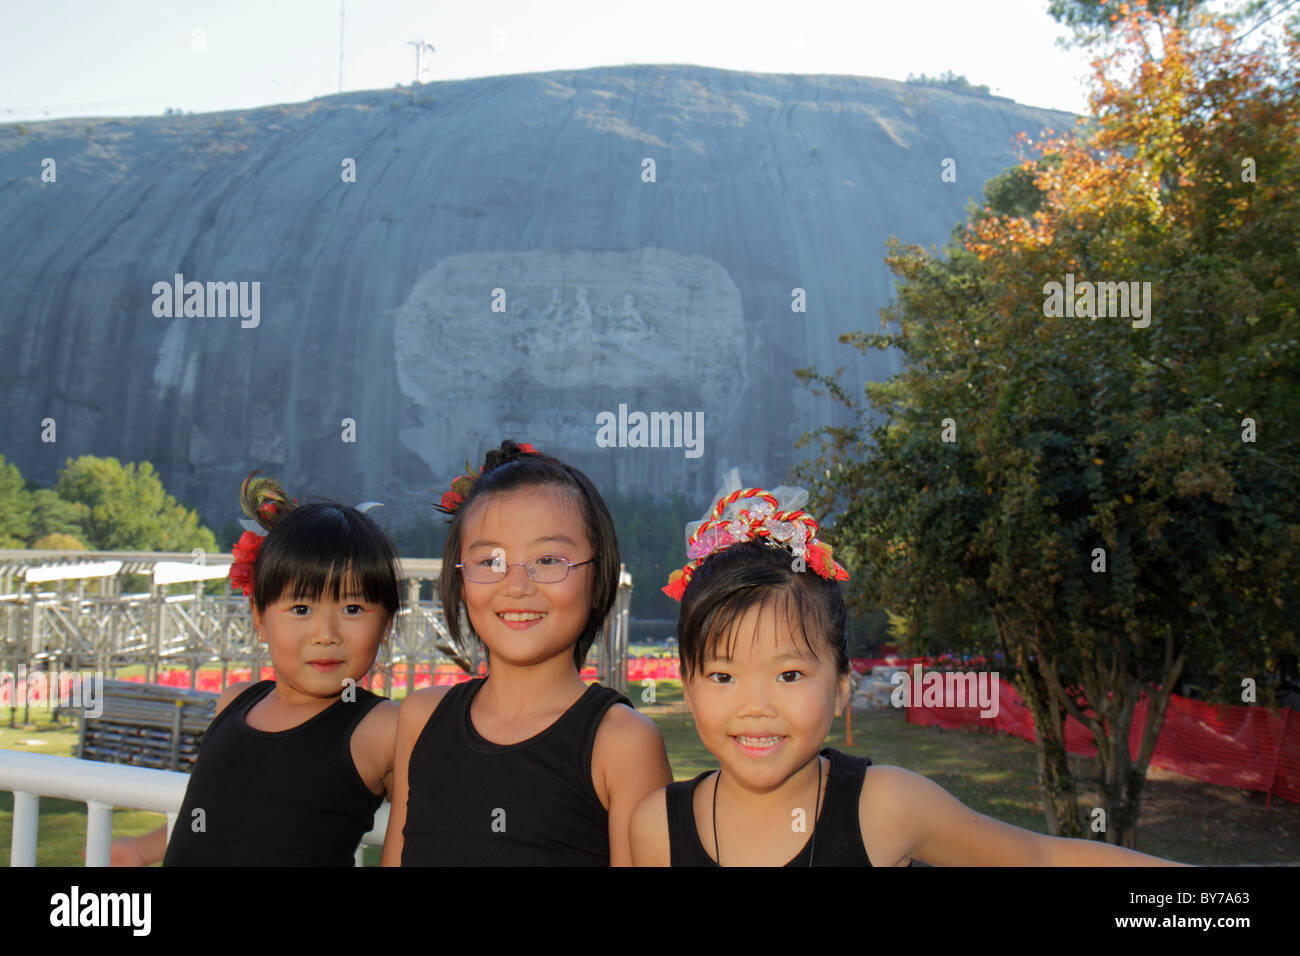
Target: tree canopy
(99, 504)
(1104, 498)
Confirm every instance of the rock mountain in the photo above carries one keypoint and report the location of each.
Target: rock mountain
(428, 270)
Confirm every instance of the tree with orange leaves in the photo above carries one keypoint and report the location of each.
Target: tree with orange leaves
(1105, 497)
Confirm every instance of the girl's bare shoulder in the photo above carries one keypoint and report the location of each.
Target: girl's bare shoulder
(628, 749)
(372, 745)
(418, 706)
(624, 727)
(230, 693)
(649, 830)
(887, 806)
(380, 725)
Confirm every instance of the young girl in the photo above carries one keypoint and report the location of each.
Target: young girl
(765, 671)
(529, 765)
(292, 770)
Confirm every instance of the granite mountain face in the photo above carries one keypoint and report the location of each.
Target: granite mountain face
(517, 257)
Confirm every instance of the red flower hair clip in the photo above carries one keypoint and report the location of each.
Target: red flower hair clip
(452, 500)
(273, 501)
(266, 501)
(245, 552)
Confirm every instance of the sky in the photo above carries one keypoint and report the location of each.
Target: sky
(62, 58)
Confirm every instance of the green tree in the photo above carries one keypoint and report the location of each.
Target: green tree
(422, 538)
(15, 507)
(179, 529)
(652, 542)
(1089, 17)
(58, 542)
(950, 81)
(127, 508)
(53, 515)
(1090, 20)
(1097, 517)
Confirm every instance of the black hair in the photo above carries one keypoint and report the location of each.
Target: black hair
(510, 468)
(739, 577)
(314, 546)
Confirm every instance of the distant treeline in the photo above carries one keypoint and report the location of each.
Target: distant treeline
(949, 80)
(97, 504)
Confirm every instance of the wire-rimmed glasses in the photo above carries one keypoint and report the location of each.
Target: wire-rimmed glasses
(547, 569)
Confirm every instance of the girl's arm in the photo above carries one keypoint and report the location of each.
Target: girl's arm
(926, 822)
(649, 831)
(413, 714)
(372, 746)
(143, 850)
(149, 848)
(629, 759)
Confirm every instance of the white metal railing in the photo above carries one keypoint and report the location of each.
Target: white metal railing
(101, 786)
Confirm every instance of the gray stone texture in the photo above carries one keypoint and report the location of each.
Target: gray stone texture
(377, 296)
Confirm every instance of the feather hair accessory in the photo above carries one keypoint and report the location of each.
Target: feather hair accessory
(264, 502)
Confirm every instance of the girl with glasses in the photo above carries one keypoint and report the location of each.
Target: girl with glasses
(528, 766)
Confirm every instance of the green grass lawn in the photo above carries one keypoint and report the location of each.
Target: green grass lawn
(996, 775)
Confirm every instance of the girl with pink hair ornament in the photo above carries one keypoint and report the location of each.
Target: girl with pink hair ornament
(765, 671)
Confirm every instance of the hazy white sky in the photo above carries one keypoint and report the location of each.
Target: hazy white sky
(137, 57)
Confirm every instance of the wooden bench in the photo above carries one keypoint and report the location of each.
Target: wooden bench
(148, 725)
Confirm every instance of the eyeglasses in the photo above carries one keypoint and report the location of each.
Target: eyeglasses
(548, 569)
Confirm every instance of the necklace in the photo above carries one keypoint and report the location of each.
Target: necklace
(812, 846)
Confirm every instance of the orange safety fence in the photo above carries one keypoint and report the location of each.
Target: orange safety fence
(1249, 747)
(1252, 748)
(210, 679)
(638, 669)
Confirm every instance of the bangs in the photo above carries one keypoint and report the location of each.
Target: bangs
(565, 498)
(731, 582)
(329, 549)
(318, 580)
(789, 607)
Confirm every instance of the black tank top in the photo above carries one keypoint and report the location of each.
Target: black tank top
(287, 798)
(475, 803)
(839, 835)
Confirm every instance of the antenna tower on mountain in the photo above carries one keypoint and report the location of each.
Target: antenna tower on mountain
(421, 47)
